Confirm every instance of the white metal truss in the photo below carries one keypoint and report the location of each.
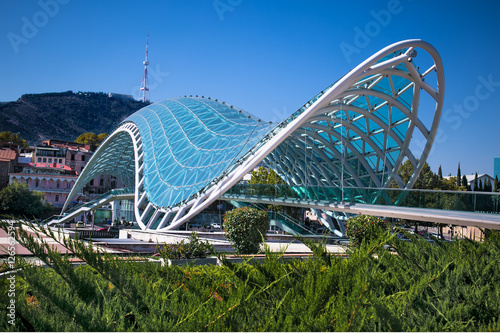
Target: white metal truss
(340, 138)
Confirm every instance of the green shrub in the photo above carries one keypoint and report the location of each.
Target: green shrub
(364, 227)
(245, 228)
(193, 248)
(429, 286)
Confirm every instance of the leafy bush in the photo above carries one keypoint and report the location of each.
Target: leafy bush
(245, 227)
(16, 199)
(193, 248)
(364, 227)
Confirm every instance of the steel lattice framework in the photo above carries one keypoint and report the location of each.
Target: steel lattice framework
(181, 154)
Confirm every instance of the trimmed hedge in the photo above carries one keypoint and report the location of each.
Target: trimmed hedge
(245, 228)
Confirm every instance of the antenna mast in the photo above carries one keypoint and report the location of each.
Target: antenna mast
(144, 91)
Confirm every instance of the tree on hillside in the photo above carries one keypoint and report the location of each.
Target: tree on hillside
(91, 138)
(13, 138)
(101, 137)
(16, 199)
(87, 138)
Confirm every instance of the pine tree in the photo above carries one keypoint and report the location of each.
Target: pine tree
(495, 188)
(459, 175)
(475, 188)
(487, 186)
(465, 183)
(440, 173)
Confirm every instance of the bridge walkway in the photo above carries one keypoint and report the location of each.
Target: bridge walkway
(465, 218)
(113, 195)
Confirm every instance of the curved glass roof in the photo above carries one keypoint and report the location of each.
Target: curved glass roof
(354, 133)
(190, 141)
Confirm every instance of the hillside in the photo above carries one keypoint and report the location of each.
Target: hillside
(64, 116)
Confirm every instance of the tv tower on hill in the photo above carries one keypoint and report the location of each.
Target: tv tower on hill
(144, 93)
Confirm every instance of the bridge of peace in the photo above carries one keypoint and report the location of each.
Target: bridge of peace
(339, 154)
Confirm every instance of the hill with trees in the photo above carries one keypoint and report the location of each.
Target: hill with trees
(63, 116)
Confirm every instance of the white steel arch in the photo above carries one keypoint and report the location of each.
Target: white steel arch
(372, 113)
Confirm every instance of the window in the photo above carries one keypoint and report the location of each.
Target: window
(50, 160)
(101, 182)
(58, 185)
(83, 158)
(92, 182)
(37, 182)
(56, 198)
(68, 185)
(44, 160)
(60, 161)
(39, 160)
(72, 157)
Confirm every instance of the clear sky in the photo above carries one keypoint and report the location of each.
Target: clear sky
(267, 57)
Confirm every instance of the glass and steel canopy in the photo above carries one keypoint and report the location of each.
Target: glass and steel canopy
(181, 154)
(190, 141)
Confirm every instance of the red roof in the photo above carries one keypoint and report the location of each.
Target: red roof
(51, 165)
(7, 154)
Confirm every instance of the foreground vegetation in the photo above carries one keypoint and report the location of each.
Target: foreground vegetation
(17, 200)
(426, 286)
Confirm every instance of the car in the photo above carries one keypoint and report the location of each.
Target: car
(79, 224)
(102, 229)
(215, 226)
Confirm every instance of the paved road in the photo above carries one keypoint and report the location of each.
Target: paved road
(21, 250)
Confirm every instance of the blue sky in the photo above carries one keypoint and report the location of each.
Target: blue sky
(266, 57)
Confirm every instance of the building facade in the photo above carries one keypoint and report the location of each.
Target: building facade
(481, 179)
(54, 180)
(9, 155)
(53, 169)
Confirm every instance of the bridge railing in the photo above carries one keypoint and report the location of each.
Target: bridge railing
(117, 191)
(487, 202)
(287, 219)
